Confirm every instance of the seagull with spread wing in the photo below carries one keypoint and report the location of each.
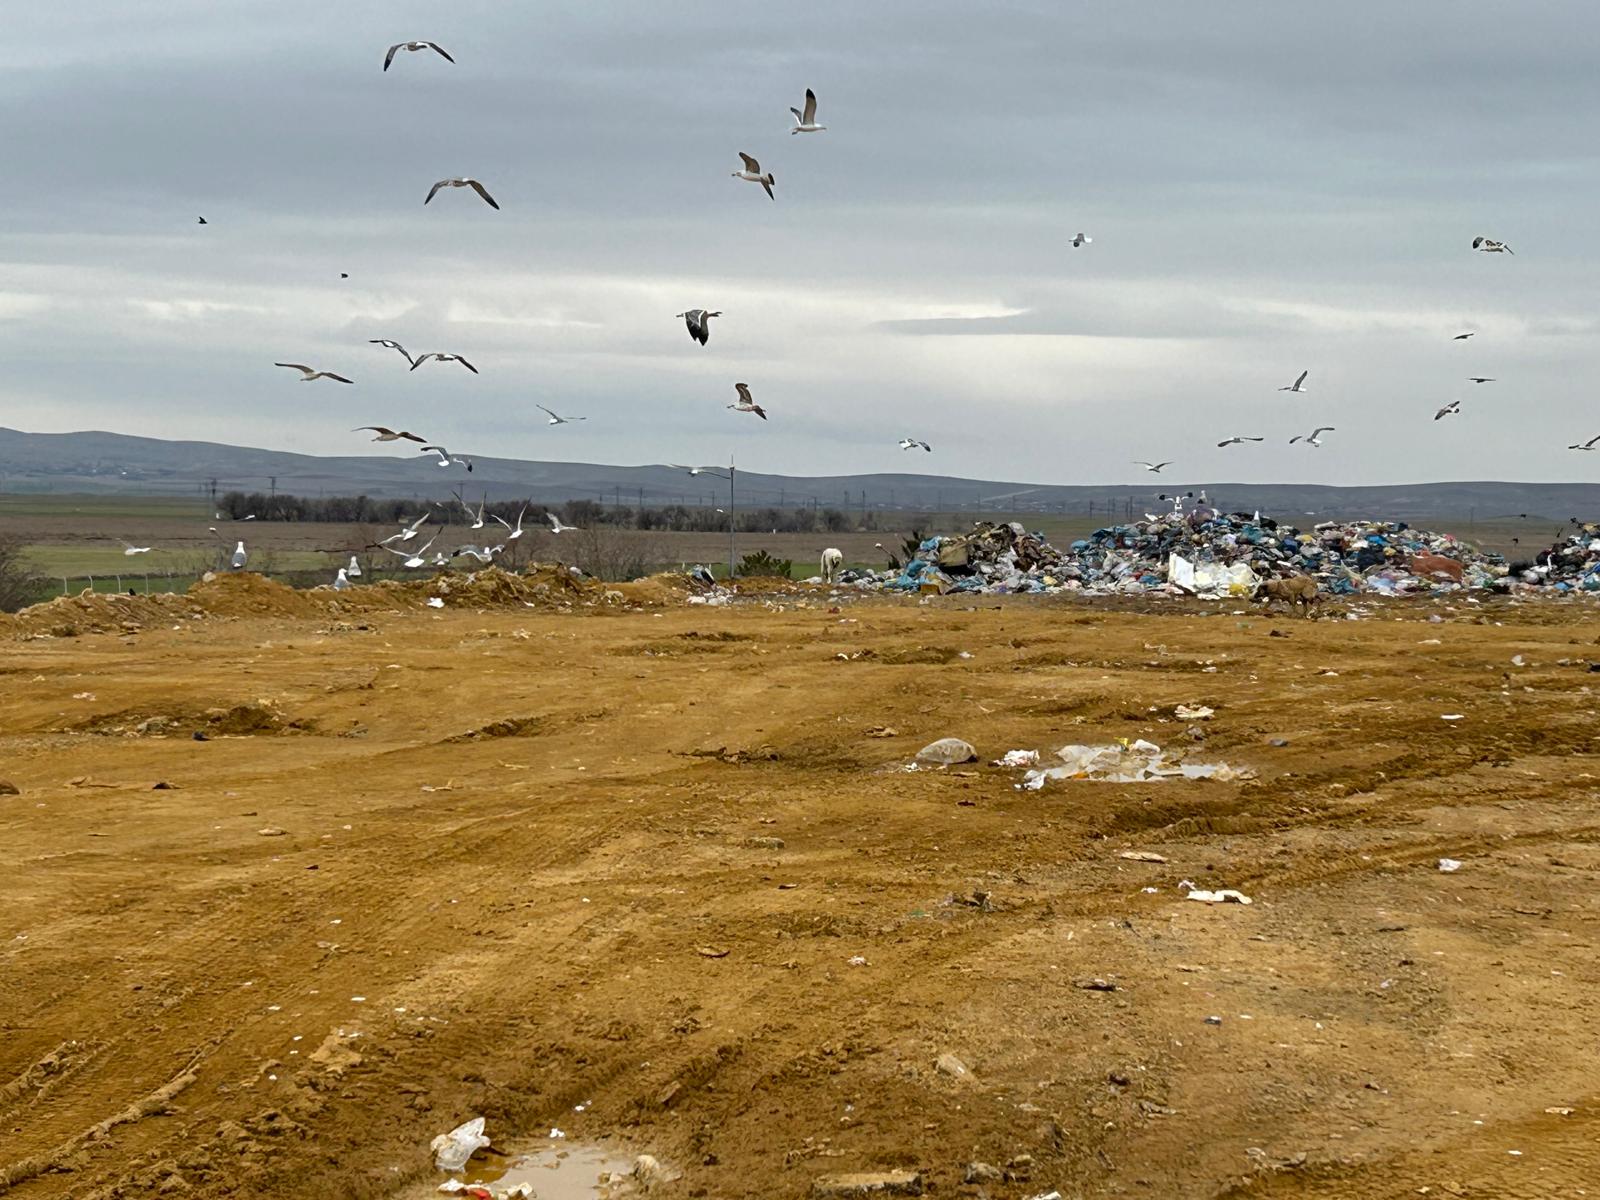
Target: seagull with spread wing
(386, 434)
(309, 375)
(1299, 385)
(398, 46)
(699, 322)
(752, 173)
(806, 122)
(1314, 438)
(1234, 441)
(1449, 410)
(392, 345)
(438, 357)
(1150, 466)
(557, 420)
(463, 182)
(745, 404)
(1589, 445)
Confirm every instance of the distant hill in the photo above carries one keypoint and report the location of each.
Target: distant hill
(111, 463)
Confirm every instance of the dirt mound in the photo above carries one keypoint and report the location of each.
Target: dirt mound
(96, 612)
(250, 595)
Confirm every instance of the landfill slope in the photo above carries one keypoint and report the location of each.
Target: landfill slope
(665, 863)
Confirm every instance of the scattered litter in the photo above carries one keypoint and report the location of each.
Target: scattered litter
(1449, 865)
(1560, 1110)
(1213, 1020)
(1452, 716)
(1128, 762)
(1223, 896)
(882, 731)
(1017, 758)
(947, 751)
(1196, 712)
(1094, 984)
(1149, 856)
(272, 831)
(856, 960)
(452, 1150)
(435, 602)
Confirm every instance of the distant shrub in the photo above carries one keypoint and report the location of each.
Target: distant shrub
(20, 584)
(763, 564)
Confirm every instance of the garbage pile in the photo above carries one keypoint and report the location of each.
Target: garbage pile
(1570, 565)
(1203, 552)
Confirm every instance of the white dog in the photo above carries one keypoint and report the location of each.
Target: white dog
(832, 560)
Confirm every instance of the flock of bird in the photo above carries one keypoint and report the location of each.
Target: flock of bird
(1484, 245)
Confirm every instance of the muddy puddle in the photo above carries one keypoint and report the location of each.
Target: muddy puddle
(558, 1171)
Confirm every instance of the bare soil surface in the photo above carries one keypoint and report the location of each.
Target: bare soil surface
(547, 848)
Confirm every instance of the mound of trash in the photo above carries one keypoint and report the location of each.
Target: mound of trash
(1201, 552)
(1572, 564)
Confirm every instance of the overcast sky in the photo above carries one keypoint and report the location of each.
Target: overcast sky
(1271, 187)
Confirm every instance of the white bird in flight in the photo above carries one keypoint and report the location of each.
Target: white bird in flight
(1589, 445)
(478, 521)
(1314, 438)
(1150, 466)
(745, 404)
(1234, 441)
(398, 46)
(910, 443)
(512, 534)
(415, 560)
(308, 375)
(1448, 410)
(1490, 246)
(437, 357)
(386, 434)
(752, 174)
(446, 459)
(805, 122)
(555, 420)
(407, 532)
(463, 182)
(1299, 385)
(699, 322)
(1081, 241)
(483, 554)
(392, 345)
(129, 549)
(557, 527)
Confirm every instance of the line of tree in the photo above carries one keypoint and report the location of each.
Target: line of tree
(669, 518)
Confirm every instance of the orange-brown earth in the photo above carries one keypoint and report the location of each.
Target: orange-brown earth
(546, 848)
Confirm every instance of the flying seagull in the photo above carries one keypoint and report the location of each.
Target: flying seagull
(446, 459)
(745, 403)
(309, 375)
(407, 532)
(752, 174)
(388, 435)
(699, 322)
(1490, 246)
(1461, 337)
(1081, 241)
(1448, 410)
(203, 221)
(555, 420)
(1479, 379)
(471, 183)
(483, 554)
(1314, 438)
(392, 345)
(1234, 441)
(915, 444)
(805, 122)
(1589, 445)
(478, 516)
(557, 527)
(422, 358)
(1150, 466)
(129, 549)
(1299, 385)
(415, 560)
(513, 534)
(398, 46)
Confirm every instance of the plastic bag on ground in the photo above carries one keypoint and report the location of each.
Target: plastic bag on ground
(452, 1150)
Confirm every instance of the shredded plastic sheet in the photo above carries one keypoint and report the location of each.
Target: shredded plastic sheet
(1131, 762)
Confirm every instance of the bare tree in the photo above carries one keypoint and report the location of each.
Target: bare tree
(20, 585)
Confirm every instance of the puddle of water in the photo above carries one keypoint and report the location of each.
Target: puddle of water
(560, 1172)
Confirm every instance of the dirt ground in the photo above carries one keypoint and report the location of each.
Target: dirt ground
(544, 849)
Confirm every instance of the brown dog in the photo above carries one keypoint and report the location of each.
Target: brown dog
(1295, 590)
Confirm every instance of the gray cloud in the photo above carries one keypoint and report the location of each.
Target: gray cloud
(1270, 189)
